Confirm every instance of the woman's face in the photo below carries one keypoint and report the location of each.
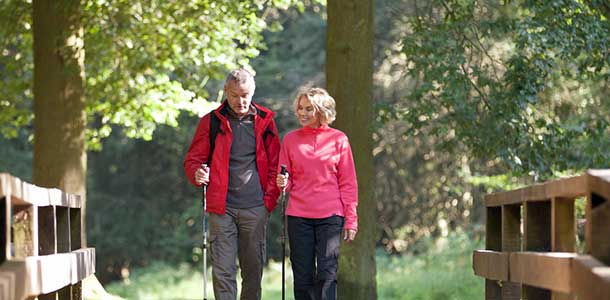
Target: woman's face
(307, 114)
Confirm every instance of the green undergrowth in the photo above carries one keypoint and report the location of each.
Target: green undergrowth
(443, 272)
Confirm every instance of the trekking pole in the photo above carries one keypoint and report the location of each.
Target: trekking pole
(205, 237)
(283, 172)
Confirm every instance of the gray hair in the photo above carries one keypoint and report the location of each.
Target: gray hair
(240, 76)
(322, 102)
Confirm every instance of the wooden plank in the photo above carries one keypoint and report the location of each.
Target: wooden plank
(599, 192)
(590, 278)
(23, 193)
(490, 264)
(12, 285)
(504, 198)
(598, 182)
(4, 185)
(511, 241)
(548, 270)
(38, 275)
(569, 187)
(83, 264)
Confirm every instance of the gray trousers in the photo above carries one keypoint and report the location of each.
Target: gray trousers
(239, 233)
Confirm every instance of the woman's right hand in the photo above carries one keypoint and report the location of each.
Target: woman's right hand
(282, 180)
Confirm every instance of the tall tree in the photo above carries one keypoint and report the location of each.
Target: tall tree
(349, 78)
(60, 158)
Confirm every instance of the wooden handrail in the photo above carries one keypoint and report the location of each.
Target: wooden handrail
(41, 242)
(531, 241)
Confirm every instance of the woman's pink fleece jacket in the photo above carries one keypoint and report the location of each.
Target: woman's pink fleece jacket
(322, 180)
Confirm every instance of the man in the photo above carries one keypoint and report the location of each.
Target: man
(241, 189)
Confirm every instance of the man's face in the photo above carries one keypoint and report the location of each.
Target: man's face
(239, 96)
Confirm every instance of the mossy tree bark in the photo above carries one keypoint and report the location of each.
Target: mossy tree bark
(349, 79)
(60, 157)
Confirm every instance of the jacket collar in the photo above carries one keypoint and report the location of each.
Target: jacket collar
(323, 127)
(264, 113)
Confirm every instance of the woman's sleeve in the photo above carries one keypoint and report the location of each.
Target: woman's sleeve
(348, 185)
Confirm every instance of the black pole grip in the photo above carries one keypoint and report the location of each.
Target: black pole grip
(283, 171)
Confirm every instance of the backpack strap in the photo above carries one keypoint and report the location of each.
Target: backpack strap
(214, 128)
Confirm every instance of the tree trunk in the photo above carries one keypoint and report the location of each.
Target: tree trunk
(349, 79)
(60, 158)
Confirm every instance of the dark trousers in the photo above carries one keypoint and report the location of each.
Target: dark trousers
(240, 233)
(314, 253)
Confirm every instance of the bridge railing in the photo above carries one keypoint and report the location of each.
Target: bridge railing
(41, 243)
(531, 241)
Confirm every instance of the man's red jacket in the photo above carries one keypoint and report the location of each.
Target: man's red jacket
(267, 156)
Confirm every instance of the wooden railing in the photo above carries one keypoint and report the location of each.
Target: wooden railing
(531, 241)
(41, 243)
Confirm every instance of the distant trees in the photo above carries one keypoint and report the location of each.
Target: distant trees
(145, 63)
(522, 83)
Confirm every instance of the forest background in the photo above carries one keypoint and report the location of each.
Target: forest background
(470, 97)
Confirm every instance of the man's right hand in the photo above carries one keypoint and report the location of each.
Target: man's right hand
(202, 175)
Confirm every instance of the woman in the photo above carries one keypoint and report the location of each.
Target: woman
(323, 195)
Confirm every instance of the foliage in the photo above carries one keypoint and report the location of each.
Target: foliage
(443, 272)
(161, 280)
(521, 81)
(159, 215)
(145, 61)
(472, 99)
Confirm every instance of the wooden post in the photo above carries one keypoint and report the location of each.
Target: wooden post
(65, 293)
(77, 291)
(563, 232)
(600, 228)
(537, 237)
(5, 232)
(511, 241)
(49, 296)
(493, 241)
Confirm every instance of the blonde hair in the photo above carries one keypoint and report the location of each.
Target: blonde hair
(322, 102)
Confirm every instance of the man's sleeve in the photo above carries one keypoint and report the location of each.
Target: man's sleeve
(199, 150)
(272, 146)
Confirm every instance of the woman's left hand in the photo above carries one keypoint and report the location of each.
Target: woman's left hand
(349, 235)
